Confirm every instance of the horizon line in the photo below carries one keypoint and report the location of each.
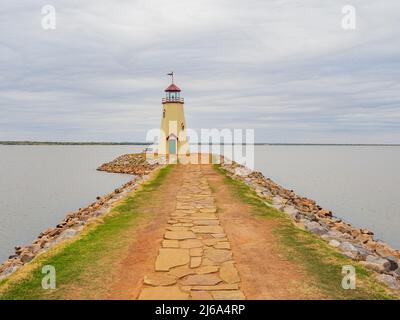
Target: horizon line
(34, 142)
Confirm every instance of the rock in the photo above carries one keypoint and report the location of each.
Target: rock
(26, 257)
(68, 234)
(208, 210)
(347, 246)
(397, 272)
(195, 262)
(219, 235)
(178, 229)
(390, 281)
(210, 242)
(220, 286)
(196, 252)
(201, 280)
(201, 295)
(324, 213)
(170, 244)
(393, 263)
(228, 295)
(206, 222)
(207, 269)
(228, 273)
(203, 216)
(181, 271)
(171, 257)
(334, 243)
(366, 231)
(222, 245)
(207, 229)
(376, 263)
(291, 211)
(183, 225)
(315, 227)
(8, 271)
(161, 279)
(217, 255)
(277, 200)
(242, 171)
(179, 235)
(191, 243)
(163, 293)
(334, 234)
(351, 255)
(35, 248)
(383, 249)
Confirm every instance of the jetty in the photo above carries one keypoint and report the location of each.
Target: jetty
(199, 231)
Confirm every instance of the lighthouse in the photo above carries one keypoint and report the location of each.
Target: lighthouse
(172, 139)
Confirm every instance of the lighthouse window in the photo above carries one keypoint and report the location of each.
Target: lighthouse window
(163, 114)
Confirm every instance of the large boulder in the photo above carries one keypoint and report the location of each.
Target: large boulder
(389, 280)
(315, 227)
(291, 211)
(394, 263)
(376, 263)
(334, 243)
(8, 271)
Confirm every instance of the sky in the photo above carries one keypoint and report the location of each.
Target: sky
(287, 69)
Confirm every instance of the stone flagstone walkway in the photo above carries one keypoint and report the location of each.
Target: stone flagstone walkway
(195, 260)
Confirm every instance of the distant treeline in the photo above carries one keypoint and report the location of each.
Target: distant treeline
(66, 143)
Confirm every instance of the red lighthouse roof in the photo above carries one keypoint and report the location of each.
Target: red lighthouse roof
(173, 88)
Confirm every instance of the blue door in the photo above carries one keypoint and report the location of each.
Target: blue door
(172, 146)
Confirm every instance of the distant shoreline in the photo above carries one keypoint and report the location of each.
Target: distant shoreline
(70, 143)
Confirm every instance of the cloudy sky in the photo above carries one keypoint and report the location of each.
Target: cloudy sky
(284, 68)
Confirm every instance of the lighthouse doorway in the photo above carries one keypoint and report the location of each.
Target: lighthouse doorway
(172, 146)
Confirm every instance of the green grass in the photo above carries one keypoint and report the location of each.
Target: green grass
(79, 263)
(322, 263)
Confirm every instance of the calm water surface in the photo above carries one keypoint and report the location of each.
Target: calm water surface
(358, 183)
(40, 184)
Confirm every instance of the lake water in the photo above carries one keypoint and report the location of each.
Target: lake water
(40, 184)
(360, 184)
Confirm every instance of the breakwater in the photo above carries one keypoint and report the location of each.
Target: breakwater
(355, 243)
(74, 222)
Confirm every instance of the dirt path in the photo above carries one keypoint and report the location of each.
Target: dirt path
(265, 273)
(212, 247)
(140, 257)
(195, 259)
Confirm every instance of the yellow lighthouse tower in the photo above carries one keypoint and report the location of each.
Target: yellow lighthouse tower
(173, 140)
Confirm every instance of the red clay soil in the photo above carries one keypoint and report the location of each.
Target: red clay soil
(264, 272)
(146, 242)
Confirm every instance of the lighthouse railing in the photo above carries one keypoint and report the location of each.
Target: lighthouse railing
(179, 100)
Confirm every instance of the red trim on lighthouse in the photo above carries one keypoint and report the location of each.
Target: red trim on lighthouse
(172, 136)
(173, 88)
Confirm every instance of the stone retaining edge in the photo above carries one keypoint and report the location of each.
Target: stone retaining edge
(74, 222)
(357, 244)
